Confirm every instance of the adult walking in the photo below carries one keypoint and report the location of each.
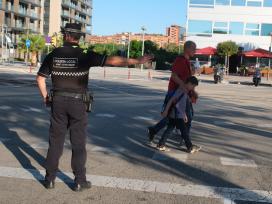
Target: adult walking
(69, 67)
(181, 71)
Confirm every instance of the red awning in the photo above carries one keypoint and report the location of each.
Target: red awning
(258, 53)
(206, 51)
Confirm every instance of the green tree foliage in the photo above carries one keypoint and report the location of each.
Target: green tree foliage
(37, 44)
(227, 48)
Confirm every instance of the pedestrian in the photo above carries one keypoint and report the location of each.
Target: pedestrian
(178, 116)
(197, 67)
(69, 67)
(181, 70)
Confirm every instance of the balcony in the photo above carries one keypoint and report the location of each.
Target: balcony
(33, 2)
(87, 2)
(9, 7)
(65, 14)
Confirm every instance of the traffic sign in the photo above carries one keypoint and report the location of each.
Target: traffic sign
(28, 42)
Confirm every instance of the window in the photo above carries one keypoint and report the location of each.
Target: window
(222, 2)
(220, 28)
(238, 2)
(0, 3)
(202, 3)
(254, 3)
(266, 29)
(252, 29)
(267, 3)
(199, 27)
(236, 28)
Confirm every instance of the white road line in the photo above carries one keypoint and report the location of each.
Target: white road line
(267, 125)
(5, 108)
(237, 162)
(149, 186)
(223, 123)
(228, 201)
(110, 151)
(105, 115)
(143, 118)
(168, 155)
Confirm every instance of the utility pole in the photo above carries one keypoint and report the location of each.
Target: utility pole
(128, 45)
(143, 29)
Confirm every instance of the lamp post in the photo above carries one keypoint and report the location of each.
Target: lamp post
(143, 30)
(270, 49)
(128, 45)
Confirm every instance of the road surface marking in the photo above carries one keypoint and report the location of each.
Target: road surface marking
(143, 118)
(147, 186)
(5, 108)
(109, 150)
(237, 162)
(105, 115)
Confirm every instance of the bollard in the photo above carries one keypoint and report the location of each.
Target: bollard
(149, 75)
(128, 73)
(104, 73)
(30, 69)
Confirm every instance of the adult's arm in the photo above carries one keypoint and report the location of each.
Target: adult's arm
(122, 61)
(42, 86)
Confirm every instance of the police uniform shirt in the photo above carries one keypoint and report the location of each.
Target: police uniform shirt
(69, 67)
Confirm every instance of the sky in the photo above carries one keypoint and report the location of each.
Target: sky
(117, 16)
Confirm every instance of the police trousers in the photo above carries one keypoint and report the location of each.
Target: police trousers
(67, 113)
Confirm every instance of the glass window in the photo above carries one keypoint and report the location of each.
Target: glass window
(220, 28)
(222, 2)
(236, 28)
(252, 32)
(252, 26)
(267, 3)
(266, 29)
(201, 3)
(252, 29)
(238, 2)
(254, 3)
(199, 27)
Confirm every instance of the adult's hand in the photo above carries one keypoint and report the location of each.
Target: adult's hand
(145, 59)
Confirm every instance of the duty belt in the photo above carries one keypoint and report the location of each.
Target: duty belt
(68, 94)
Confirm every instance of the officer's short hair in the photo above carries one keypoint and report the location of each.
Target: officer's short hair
(193, 80)
(75, 36)
(189, 44)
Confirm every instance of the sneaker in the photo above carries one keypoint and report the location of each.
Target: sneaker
(194, 149)
(150, 133)
(82, 186)
(161, 147)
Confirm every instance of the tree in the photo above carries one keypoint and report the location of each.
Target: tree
(227, 49)
(37, 44)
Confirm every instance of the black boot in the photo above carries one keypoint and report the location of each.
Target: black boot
(48, 184)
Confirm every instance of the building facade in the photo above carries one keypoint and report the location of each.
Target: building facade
(21, 16)
(58, 13)
(172, 36)
(246, 22)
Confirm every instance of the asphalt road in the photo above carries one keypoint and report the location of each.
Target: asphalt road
(232, 124)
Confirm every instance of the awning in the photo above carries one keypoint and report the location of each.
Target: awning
(206, 51)
(261, 53)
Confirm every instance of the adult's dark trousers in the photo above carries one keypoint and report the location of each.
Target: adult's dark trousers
(164, 121)
(67, 113)
(182, 126)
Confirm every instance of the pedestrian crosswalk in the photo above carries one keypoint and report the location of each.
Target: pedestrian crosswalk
(170, 154)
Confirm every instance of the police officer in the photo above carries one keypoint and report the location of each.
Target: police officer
(69, 67)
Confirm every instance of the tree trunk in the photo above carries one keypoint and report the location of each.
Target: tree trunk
(34, 59)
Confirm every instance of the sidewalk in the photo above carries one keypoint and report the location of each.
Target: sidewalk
(232, 79)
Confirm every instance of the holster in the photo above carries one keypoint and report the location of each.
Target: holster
(88, 99)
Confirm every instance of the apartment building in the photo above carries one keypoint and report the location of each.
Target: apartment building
(21, 16)
(59, 12)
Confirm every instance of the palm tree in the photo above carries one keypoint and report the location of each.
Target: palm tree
(37, 44)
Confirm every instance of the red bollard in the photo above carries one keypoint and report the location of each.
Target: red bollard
(104, 73)
(30, 69)
(128, 73)
(149, 75)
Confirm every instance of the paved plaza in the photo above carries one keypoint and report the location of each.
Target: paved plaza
(232, 124)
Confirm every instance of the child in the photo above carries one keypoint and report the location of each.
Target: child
(176, 112)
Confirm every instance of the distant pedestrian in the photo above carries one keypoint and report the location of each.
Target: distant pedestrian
(178, 116)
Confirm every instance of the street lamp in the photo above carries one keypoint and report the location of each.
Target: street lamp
(270, 49)
(143, 30)
(128, 44)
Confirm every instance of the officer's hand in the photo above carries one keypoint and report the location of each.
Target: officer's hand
(46, 101)
(145, 58)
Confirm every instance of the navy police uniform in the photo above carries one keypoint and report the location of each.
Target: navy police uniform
(68, 67)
